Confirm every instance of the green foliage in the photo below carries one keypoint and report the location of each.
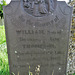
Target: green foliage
(73, 74)
(2, 35)
(3, 3)
(4, 68)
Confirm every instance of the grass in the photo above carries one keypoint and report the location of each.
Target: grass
(4, 68)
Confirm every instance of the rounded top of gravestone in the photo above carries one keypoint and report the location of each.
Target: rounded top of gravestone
(39, 8)
(15, 0)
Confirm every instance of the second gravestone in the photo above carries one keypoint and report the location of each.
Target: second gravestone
(37, 33)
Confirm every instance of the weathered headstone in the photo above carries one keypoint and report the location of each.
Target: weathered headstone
(37, 33)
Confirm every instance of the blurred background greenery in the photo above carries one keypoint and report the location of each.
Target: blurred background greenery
(4, 67)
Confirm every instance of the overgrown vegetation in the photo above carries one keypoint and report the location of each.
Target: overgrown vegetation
(3, 3)
(4, 68)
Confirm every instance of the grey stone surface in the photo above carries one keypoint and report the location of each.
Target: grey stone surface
(37, 45)
(15, 0)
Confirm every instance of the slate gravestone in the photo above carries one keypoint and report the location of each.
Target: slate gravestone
(37, 33)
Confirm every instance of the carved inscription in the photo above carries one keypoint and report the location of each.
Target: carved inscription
(49, 23)
(40, 44)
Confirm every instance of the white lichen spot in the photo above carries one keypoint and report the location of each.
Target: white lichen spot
(62, 30)
(44, 49)
(49, 12)
(18, 56)
(15, 51)
(34, 26)
(27, 63)
(59, 68)
(52, 14)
